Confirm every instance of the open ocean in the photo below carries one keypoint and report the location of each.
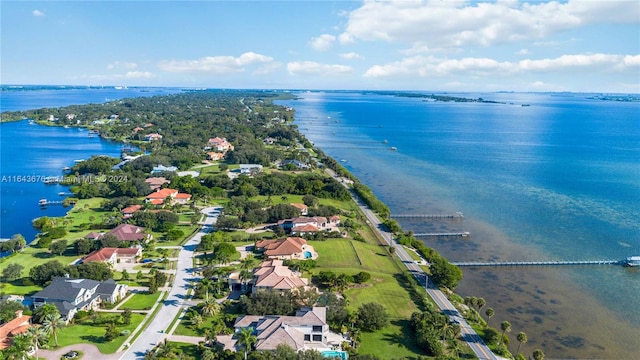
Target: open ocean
(556, 180)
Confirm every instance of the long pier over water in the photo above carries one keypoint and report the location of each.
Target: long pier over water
(457, 215)
(540, 263)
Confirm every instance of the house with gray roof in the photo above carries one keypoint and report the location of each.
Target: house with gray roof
(72, 295)
(306, 330)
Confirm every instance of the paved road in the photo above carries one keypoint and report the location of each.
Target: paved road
(467, 333)
(156, 331)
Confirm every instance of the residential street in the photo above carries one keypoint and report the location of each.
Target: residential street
(156, 331)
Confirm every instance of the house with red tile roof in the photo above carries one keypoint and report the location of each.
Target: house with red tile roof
(304, 209)
(127, 232)
(18, 325)
(289, 248)
(272, 275)
(93, 236)
(129, 210)
(156, 182)
(215, 156)
(162, 194)
(181, 198)
(113, 255)
(220, 144)
(153, 137)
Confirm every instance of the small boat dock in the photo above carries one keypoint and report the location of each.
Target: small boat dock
(45, 202)
(457, 215)
(461, 234)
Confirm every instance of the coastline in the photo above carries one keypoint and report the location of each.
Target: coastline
(561, 324)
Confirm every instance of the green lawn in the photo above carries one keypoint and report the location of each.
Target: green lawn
(395, 341)
(94, 334)
(141, 301)
(335, 253)
(185, 327)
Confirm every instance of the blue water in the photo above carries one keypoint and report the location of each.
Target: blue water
(30, 152)
(559, 179)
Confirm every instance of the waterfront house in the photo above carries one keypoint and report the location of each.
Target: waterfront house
(18, 325)
(168, 196)
(307, 330)
(272, 275)
(289, 248)
(127, 232)
(114, 255)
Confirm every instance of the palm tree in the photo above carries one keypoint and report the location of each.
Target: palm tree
(52, 324)
(38, 335)
(206, 285)
(210, 308)
(248, 263)
(246, 339)
(20, 345)
(505, 326)
(522, 338)
(490, 312)
(538, 355)
(197, 320)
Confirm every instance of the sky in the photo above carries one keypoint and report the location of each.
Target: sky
(445, 45)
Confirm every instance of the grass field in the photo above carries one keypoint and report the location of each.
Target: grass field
(141, 301)
(94, 334)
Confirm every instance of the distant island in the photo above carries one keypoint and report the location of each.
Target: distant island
(445, 98)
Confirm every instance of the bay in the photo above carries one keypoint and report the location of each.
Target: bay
(538, 177)
(29, 153)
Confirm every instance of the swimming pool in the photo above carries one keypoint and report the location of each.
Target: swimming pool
(307, 255)
(334, 353)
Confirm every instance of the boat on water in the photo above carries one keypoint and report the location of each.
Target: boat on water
(632, 261)
(51, 180)
(393, 148)
(42, 202)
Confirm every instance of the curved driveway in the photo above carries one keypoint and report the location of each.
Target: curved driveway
(156, 330)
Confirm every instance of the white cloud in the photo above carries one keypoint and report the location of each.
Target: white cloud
(314, 68)
(38, 13)
(352, 56)
(457, 23)
(215, 64)
(523, 52)
(119, 77)
(322, 42)
(122, 65)
(138, 75)
(429, 66)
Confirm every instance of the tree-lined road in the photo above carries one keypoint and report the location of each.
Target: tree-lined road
(156, 331)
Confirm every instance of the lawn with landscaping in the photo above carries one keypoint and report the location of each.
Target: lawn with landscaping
(141, 301)
(93, 331)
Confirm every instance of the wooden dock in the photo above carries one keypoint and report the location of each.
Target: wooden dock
(45, 202)
(457, 215)
(461, 234)
(539, 263)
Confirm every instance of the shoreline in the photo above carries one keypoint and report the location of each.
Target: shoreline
(486, 243)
